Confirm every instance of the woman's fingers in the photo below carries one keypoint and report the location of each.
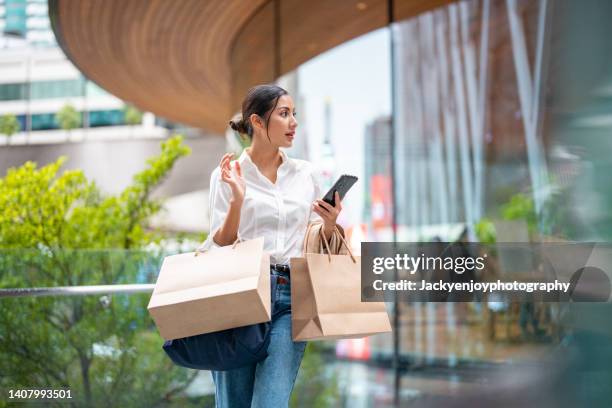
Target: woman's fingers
(224, 164)
(325, 205)
(326, 215)
(223, 159)
(238, 169)
(228, 159)
(338, 205)
(224, 175)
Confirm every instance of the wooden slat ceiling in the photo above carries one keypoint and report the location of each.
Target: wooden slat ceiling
(191, 61)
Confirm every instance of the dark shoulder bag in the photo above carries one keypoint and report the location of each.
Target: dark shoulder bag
(225, 349)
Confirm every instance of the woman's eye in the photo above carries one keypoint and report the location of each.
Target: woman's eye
(284, 114)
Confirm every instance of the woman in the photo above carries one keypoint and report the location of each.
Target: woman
(265, 193)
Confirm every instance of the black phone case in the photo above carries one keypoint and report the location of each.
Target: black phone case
(342, 185)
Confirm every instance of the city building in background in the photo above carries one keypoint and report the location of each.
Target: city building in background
(378, 205)
(37, 81)
(25, 21)
(326, 163)
(111, 139)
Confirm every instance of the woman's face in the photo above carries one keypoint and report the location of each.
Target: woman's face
(282, 123)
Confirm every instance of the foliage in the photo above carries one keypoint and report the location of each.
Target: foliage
(132, 115)
(315, 388)
(9, 125)
(521, 207)
(485, 231)
(555, 218)
(68, 118)
(58, 229)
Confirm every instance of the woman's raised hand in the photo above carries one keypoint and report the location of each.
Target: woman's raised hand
(233, 178)
(328, 213)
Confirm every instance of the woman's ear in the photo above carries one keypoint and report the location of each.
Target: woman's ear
(256, 121)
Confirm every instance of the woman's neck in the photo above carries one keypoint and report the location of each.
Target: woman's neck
(264, 157)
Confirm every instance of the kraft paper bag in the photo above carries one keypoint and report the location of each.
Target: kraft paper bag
(326, 299)
(204, 292)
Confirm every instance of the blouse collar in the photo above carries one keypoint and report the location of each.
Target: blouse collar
(244, 157)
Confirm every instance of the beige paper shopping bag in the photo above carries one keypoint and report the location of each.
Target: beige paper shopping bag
(326, 299)
(218, 289)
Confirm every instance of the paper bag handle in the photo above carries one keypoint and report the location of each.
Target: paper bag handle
(337, 232)
(325, 243)
(199, 251)
(346, 245)
(305, 246)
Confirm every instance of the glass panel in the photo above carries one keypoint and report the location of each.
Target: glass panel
(12, 92)
(106, 118)
(500, 117)
(57, 89)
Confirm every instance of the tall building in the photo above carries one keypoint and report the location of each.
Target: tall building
(327, 163)
(291, 83)
(377, 169)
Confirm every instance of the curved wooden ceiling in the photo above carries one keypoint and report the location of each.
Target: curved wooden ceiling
(191, 61)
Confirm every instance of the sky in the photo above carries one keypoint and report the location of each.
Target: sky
(355, 76)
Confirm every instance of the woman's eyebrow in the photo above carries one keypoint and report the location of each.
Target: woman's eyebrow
(283, 107)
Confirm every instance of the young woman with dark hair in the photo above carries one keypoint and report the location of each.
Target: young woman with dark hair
(265, 193)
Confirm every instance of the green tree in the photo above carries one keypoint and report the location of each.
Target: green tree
(132, 117)
(68, 118)
(59, 230)
(9, 125)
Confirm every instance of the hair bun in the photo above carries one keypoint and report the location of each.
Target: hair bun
(239, 125)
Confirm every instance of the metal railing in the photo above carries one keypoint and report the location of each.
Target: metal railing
(76, 290)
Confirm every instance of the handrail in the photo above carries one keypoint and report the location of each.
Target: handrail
(76, 290)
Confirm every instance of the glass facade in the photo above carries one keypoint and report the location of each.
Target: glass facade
(15, 17)
(499, 123)
(106, 118)
(499, 132)
(27, 19)
(57, 89)
(46, 90)
(98, 118)
(12, 92)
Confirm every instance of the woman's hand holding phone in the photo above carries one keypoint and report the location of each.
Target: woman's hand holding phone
(233, 179)
(328, 213)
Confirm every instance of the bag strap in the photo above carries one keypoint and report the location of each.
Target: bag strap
(325, 243)
(199, 251)
(346, 245)
(307, 238)
(238, 239)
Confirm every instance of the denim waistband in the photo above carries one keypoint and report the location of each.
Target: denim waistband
(277, 269)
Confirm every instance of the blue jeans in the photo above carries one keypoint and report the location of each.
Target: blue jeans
(269, 382)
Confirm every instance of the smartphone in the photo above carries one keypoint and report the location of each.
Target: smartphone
(342, 186)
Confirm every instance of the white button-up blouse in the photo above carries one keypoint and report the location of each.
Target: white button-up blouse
(280, 212)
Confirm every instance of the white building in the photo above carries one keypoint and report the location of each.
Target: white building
(37, 80)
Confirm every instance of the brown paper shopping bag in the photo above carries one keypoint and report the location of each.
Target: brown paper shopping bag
(326, 298)
(218, 289)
